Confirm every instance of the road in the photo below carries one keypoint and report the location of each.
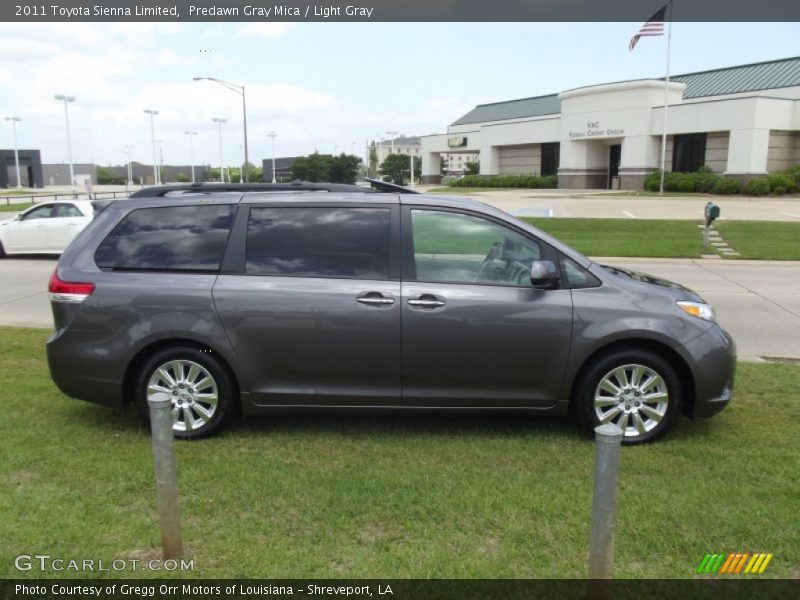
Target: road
(758, 302)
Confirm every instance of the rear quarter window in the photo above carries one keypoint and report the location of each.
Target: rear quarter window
(174, 238)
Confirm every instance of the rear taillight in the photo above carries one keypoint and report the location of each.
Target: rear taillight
(68, 291)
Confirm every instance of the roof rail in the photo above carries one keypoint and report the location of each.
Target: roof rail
(385, 186)
(294, 186)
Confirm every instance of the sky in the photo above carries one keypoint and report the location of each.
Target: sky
(317, 86)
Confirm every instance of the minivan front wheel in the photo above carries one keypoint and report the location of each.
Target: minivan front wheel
(635, 389)
(198, 385)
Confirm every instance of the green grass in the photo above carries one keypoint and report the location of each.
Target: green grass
(626, 237)
(22, 192)
(395, 497)
(649, 194)
(15, 207)
(459, 190)
(764, 240)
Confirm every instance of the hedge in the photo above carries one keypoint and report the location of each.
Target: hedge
(505, 181)
(706, 181)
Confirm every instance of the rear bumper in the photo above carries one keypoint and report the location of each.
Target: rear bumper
(714, 367)
(80, 375)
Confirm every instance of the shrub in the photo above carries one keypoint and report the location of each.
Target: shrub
(757, 187)
(781, 180)
(727, 186)
(505, 181)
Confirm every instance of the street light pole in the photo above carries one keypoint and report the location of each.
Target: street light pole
(153, 113)
(14, 121)
(392, 134)
(239, 89)
(221, 163)
(66, 100)
(272, 135)
(129, 170)
(191, 135)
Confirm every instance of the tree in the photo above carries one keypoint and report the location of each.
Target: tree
(105, 176)
(373, 160)
(396, 168)
(344, 168)
(314, 168)
(182, 178)
(472, 168)
(443, 166)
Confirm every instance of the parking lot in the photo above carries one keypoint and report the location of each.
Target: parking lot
(757, 301)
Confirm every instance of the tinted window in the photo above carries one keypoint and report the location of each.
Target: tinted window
(576, 276)
(689, 152)
(65, 210)
(457, 248)
(550, 158)
(42, 212)
(349, 243)
(179, 238)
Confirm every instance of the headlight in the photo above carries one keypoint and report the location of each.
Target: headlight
(698, 309)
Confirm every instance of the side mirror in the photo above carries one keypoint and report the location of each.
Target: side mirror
(544, 275)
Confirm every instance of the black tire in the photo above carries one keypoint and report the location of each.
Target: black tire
(192, 401)
(632, 402)
(2, 251)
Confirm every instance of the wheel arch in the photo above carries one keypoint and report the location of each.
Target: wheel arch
(663, 350)
(141, 356)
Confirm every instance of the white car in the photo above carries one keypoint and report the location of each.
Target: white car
(45, 228)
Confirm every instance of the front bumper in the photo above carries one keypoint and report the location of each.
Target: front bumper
(713, 365)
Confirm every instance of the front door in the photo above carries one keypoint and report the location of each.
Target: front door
(29, 232)
(475, 332)
(614, 155)
(314, 313)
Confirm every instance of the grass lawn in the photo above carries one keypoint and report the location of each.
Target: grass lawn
(626, 237)
(460, 190)
(15, 207)
(765, 240)
(395, 497)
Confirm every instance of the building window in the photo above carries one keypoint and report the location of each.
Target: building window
(688, 152)
(550, 158)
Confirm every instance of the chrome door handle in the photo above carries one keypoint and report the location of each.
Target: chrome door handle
(426, 303)
(375, 299)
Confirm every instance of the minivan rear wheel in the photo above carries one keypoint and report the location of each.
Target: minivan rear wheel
(199, 386)
(635, 389)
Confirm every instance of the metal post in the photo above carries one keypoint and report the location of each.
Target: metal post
(166, 474)
(191, 134)
(14, 121)
(244, 120)
(152, 114)
(604, 505)
(272, 135)
(221, 161)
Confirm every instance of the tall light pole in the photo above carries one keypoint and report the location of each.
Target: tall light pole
(392, 134)
(239, 89)
(153, 113)
(129, 170)
(221, 163)
(160, 160)
(191, 135)
(272, 135)
(66, 100)
(14, 121)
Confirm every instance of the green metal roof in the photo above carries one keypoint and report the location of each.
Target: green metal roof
(744, 78)
(513, 109)
(731, 80)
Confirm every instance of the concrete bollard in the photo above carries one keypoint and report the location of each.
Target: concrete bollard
(166, 474)
(604, 505)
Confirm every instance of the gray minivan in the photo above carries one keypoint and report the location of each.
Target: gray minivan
(256, 298)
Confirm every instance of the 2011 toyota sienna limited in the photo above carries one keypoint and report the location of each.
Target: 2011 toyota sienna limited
(260, 298)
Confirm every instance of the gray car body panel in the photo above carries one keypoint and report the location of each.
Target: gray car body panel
(300, 342)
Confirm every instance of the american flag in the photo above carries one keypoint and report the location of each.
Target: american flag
(654, 26)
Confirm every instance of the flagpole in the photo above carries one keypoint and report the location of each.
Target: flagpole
(666, 100)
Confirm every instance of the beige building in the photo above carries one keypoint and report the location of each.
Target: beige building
(742, 121)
